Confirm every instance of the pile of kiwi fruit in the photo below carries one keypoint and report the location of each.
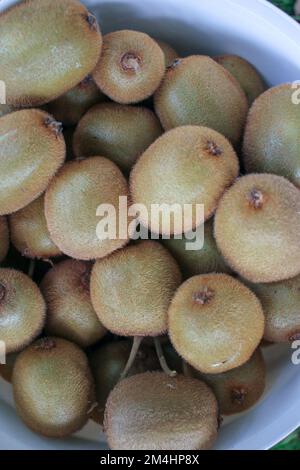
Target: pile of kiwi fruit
(153, 342)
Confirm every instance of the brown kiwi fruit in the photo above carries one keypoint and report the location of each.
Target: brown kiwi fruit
(272, 135)
(169, 53)
(71, 203)
(187, 165)
(107, 364)
(70, 314)
(130, 68)
(257, 228)
(156, 412)
(70, 107)
(53, 387)
(198, 91)
(6, 370)
(215, 322)
(204, 261)
(22, 310)
(281, 305)
(29, 232)
(57, 45)
(238, 389)
(4, 238)
(245, 73)
(118, 132)
(32, 150)
(145, 277)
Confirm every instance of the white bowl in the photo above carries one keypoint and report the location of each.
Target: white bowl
(271, 40)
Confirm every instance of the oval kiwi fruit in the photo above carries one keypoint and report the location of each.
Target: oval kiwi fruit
(57, 45)
(70, 314)
(108, 362)
(198, 91)
(257, 227)
(6, 370)
(29, 232)
(22, 310)
(32, 150)
(246, 74)
(71, 203)
(215, 322)
(238, 389)
(272, 135)
(131, 66)
(118, 132)
(187, 165)
(53, 387)
(281, 305)
(204, 261)
(144, 278)
(169, 53)
(156, 412)
(4, 238)
(70, 107)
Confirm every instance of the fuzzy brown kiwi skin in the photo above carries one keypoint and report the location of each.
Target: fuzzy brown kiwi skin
(80, 29)
(4, 238)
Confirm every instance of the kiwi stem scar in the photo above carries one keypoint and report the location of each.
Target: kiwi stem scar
(137, 340)
(162, 360)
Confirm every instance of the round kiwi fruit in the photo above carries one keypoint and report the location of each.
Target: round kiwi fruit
(281, 305)
(4, 238)
(144, 278)
(22, 310)
(57, 45)
(187, 165)
(257, 228)
(248, 77)
(156, 412)
(70, 314)
(130, 68)
(118, 132)
(29, 233)
(70, 107)
(169, 53)
(32, 150)
(238, 389)
(272, 135)
(6, 370)
(53, 387)
(198, 91)
(107, 364)
(215, 322)
(204, 261)
(71, 204)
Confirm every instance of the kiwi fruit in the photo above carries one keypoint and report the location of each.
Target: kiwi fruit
(53, 387)
(107, 364)
(131, 66)
(118, 132)
(215, 322)
(248, 77)
(70, 107)
(198, 91)
(55, 47)
(29, 232)
(257, 228)
(4, 238)
(32, 150)
(272, 135)
(6, 370)
(71, 203)
(152, 411)
(187, 165)
(70, 314)
(204, 261)
(281, 305)
(144, 278)
(238, 389)
(169, 53)
(22, 310)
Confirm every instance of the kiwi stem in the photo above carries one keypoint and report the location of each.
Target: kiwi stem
(31, 268)
(162, 359)
(137, 340)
